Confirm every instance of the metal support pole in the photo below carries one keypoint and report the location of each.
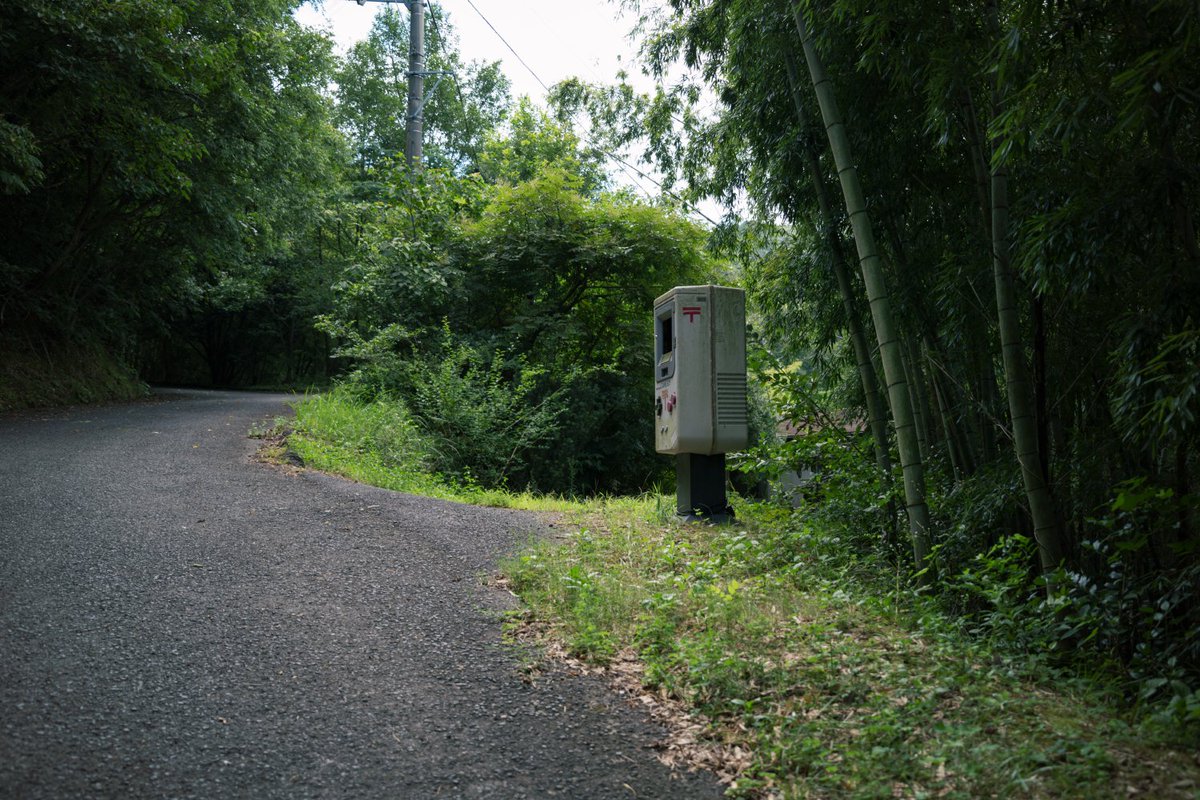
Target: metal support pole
(416, 84)
(700, 488)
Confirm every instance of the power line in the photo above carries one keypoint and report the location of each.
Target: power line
(625, 165)
(632, 177)
(509, 46)
(438, 30)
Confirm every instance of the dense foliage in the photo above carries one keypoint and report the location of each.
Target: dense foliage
(158, 162)
(207, 192)
(973, 263)
(1018, 185)
(510, 319)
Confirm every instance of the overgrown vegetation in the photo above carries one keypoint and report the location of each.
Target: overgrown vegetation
(509, 320)
(970, 225)
(834, 674)
(379, 442)
(839, 680)
(56, 374)
(1139, 632)
(987, 354)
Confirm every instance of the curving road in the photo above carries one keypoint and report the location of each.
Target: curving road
(179, 621)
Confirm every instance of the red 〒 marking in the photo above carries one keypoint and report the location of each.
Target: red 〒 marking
(691, 312)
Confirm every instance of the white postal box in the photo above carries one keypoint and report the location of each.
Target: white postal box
(700, 370)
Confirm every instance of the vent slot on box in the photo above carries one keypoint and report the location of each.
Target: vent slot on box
(731, 398)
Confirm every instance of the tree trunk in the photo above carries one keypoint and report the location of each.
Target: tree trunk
(951, 393)
(876, 413)
(1016, 379)
(976, 147)
(1017, 383)
(916, 396)
(890, 349)
(1041, 403)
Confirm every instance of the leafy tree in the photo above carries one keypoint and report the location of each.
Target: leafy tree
(397, 282)
(531, 141)
(148, 147)
(566, 280)
(463, 106)
(543, 291)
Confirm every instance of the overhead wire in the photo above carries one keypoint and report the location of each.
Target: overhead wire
(690, 206)
(509, 46)
(453, 78)
(625, 165)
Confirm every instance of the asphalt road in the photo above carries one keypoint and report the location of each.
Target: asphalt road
(177, 620)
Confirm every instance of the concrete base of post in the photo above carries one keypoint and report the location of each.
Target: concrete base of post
(700, 488)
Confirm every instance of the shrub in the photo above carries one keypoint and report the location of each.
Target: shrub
(480, 416)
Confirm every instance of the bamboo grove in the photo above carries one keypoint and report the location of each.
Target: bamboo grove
(976, 231)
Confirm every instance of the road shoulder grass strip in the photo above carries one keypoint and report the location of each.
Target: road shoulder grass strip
(787, 673)
(807, 688)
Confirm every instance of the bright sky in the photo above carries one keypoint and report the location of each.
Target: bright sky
(557, 38)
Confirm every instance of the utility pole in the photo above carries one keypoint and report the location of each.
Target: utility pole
(416, 84)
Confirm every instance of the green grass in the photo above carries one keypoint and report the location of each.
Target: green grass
(378, 443)
(834, 692)
(808, 674)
